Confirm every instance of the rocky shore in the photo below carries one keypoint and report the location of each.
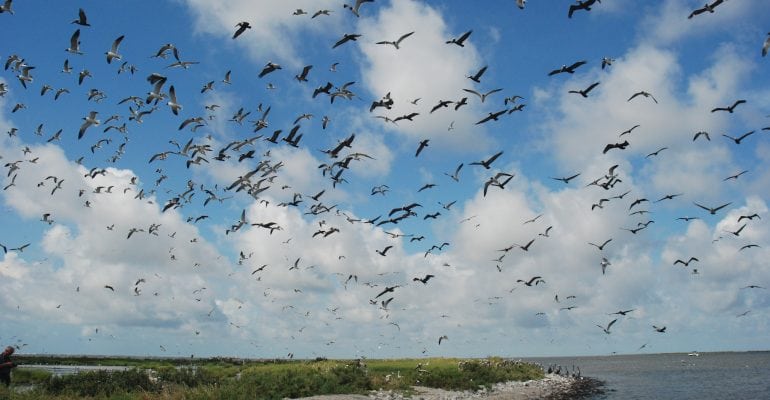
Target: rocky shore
(553, 387)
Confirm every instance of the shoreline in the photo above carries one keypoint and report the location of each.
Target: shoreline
(552, 387)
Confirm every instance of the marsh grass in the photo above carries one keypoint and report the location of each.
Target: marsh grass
(274, 379)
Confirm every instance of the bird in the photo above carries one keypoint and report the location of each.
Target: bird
(477, 76)
(628, 131)
(242, 26)
(81, 20)
(482, 96)
(521, 3)
(643, 93)
(610, 146)
(656, 152)
(384, 251)
(456, 175)
(607, 329)
(729, 109)
(607, 61)
(346, 38)
(581, 5)
(89, 121)
(74, 43)
(423, 144)
(748, 246)
(601, 247)
(701, 133)
(535, 280)
(713, 210)
(585, 91)
(568, 69)
(604, 263)
(269, 67)
(706, 8)
(424, 280)
(735, 176)
(113, 54)
(487, 164)
(766, 46)
(739, 138)
(388, 289)
(460, 41)
(622, 312)
(567, 179)
(441, 338)
(173, 103)
(302, 76)
(659, 329)
(356, 6)
(686, 263)
(109, 287)
(492, 116)
(398, 41)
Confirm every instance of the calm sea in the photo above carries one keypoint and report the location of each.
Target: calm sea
(730, 376)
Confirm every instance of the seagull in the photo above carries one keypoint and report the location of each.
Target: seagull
(766, 46)
(74, 43)
(89, 120)
(242, 26)
(443, 337)
(482, 96)
(604, 263)
(113, 53)
(455, 177)
(398, 41)
(6, 7)
(175, 106)
(643, 93)
(607, 61)
(622, 312)
(460, 41)
(660, 330)
(629, 130)
(356, 6)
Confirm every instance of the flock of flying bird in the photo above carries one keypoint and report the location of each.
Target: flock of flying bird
(264, 173)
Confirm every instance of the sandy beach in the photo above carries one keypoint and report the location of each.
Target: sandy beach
(551, 387)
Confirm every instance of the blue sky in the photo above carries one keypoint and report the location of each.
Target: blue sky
(187, 282)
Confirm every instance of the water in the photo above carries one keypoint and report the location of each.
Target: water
(676, 376)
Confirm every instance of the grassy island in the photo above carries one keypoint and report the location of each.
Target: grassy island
(222, 378)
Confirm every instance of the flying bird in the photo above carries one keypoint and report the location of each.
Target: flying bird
(398, 41)
(686, 263)
(659, 329)
(269, 67)
(346, 38)
(424, 280)
(729, 109)
(607, 329)
(643, 93)
(568, 69)
(766, 46)
(460, 41)
(477, 76)
(713, 210)
(356, 6)
(567, 179)
(487, 164)
(423, 144)
(535, 280)
(739, 138)
(585, 91)
(81, 20)
(610, 146)
(706, 8)
(242, 26)
(492, 116)
(581, 5)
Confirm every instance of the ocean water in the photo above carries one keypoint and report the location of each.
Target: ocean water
(730, 375)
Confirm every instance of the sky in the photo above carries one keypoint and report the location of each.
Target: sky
(381, 225)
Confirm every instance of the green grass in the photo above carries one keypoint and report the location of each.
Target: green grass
(278, 379)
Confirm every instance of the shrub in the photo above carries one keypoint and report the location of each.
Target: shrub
(100, 383)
